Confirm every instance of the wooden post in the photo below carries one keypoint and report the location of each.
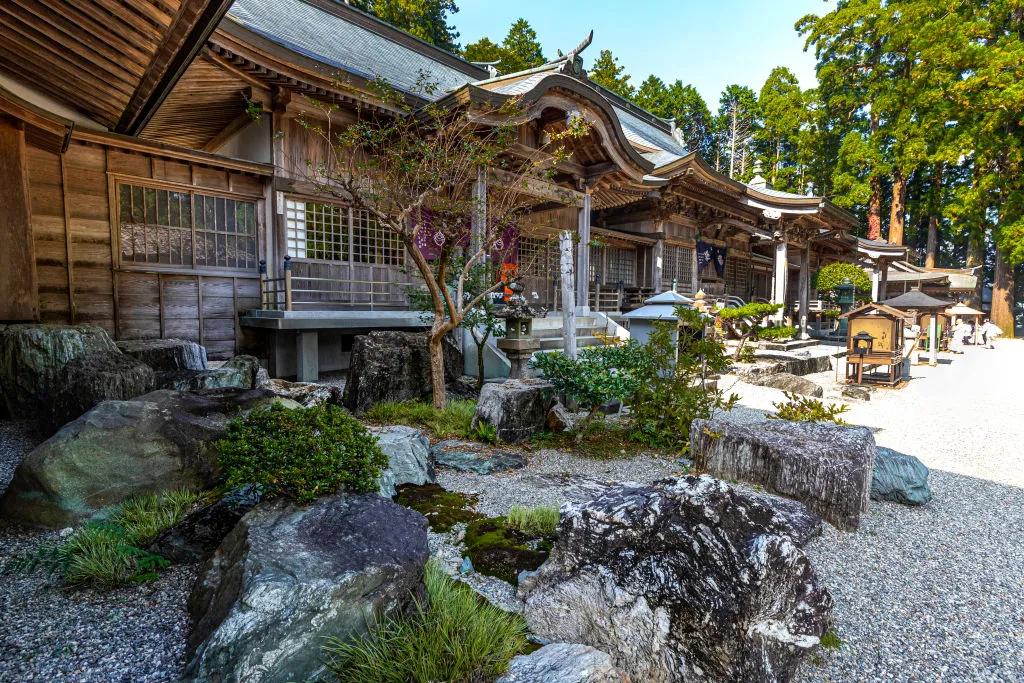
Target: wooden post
(478, 227)
(658, 268)
(933, 339)
(264, 297)
(287, 282)
(19, 292)
(568, 296)
(583, 257)
(883, 279)
(781, 271)
(805, 289)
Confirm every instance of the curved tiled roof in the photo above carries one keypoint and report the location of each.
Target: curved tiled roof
(323, 35)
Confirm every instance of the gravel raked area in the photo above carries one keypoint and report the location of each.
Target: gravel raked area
(933, 593)
(52, 633)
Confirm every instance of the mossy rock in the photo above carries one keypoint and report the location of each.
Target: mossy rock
(443, 509)
(502, 552)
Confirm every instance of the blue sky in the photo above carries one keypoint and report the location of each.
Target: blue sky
(708, 43)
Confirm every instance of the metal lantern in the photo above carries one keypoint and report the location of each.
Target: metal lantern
(863, 343)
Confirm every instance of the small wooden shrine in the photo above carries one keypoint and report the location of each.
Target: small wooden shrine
(874, 339)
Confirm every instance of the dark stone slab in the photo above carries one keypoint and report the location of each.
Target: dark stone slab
(467, 456)
(899, 478)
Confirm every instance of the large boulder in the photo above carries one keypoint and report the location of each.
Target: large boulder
(394, 366)
(793, 383)
(409, 458)
(899, 478)
(516, 408)
(166, 355)
(306, 394)
(563, 663)
(683, 580)
(238, 373)
(196, 537)
(157, 442)
(31, 358)
(87, 380)
(289, 576)
(826, 467)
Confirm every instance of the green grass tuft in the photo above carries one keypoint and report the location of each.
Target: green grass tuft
(539, 520)
(455, 636)
(453, 421)
(110, 554)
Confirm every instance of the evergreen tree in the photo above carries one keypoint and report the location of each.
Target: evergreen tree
(425, 19)
(784, 112)
(483, 50)
(737, 123)
(653, 96)
(607, 72)
(522, 50)
(693, 118)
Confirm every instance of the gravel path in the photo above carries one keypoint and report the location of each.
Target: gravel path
(934, 593)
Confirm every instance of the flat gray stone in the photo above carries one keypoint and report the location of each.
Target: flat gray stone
(792, 383)
(238, 373)
(166, 355)
(409, 457)
(828, 468)
(466, 456)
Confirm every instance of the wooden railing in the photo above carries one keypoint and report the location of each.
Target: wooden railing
(291, 291)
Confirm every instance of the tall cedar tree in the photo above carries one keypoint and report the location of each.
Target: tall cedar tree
(425, 19)
(519, 51)
(785, 116)
(737, 123)
(607, 72)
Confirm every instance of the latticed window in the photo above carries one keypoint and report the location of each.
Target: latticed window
(737, 277)
(538, 257)
(596, 264)
(317, 231)
(677, 264)
(621, 266)
(372, 243)
(176, 228)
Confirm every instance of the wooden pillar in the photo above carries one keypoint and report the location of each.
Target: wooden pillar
(658, 267)
(568, 295)
(883, 279)
(805, 289)
(583, 258)
(875, 276)
(19, 292)
(695, 275)
(781, 272)
(933, 339)
(478, 229)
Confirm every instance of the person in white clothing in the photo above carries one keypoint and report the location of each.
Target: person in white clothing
(956, 341)
(989, 332)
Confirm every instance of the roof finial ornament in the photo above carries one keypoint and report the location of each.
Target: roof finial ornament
(573, 65)
(491, 67)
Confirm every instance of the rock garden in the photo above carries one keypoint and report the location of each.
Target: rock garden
(626, 516)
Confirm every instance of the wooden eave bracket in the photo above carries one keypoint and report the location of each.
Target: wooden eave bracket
(44, 129)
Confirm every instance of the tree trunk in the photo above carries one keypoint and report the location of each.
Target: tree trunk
(875, 210)
(437, 368)
(480, 362)
(732, 145)
(899, 208)
(976, 259)
(1002, 296)
(933, 242)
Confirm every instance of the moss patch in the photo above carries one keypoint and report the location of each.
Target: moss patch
(499, 550)
(443, 509)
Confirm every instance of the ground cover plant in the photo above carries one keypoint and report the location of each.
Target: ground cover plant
(601, 440)
(451, 421)
(501, 548)
(455, 635)
(443, 509)
(806, 409)
(303, 453)
(112, 553)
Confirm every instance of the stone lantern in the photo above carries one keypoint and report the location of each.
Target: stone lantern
(844, 297)
(518, 342)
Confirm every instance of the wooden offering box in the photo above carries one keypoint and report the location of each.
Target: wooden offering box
(874, 339)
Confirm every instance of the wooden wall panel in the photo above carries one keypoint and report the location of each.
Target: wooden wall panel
(73, 243)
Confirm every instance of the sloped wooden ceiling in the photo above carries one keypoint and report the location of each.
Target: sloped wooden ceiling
(206, 103)
(114, 60)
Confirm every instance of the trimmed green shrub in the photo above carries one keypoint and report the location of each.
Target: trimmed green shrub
(806, 409)
(455, 636)
(110, 554)
(539, 519)
(745, 322)
(453, 420)
(304, 453)
(833, 275)
(777, 332)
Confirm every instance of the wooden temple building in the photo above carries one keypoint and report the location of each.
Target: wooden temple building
(141, 194)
